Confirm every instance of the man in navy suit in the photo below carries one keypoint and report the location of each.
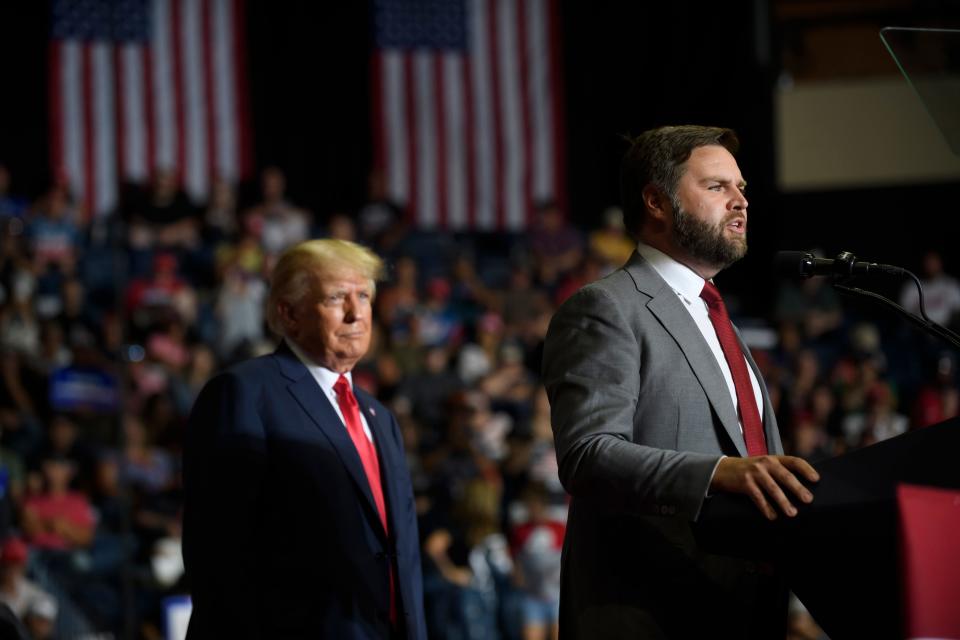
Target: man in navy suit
(299, 514)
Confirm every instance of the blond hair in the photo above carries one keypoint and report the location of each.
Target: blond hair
(299, 266)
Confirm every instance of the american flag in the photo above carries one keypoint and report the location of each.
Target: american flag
(142, 85)
(466, 108)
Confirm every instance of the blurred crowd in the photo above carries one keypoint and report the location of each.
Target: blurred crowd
(109, 327)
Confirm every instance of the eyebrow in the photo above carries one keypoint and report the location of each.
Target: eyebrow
(741, 184)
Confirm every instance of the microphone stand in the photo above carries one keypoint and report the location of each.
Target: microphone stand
(924, 323)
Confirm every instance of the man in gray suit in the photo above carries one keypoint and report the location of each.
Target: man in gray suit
(656, 404)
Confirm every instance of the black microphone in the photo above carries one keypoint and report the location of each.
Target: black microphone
(803, 264)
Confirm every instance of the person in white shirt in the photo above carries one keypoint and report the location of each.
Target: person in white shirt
(656, 403)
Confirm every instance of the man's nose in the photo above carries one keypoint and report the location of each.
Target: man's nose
(350, 306)
(739, 202)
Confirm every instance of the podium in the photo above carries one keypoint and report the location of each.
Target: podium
(840, 554)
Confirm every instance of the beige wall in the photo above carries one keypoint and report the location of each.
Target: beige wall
(857, 133)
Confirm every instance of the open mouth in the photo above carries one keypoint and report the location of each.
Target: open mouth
(739, 225)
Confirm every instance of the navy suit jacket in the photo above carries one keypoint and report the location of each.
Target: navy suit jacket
(281, 535)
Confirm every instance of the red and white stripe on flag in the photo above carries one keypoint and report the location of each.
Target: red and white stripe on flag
(144, 85)
(466, 108)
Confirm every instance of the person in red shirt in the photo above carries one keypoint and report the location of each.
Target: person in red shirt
(58, 518)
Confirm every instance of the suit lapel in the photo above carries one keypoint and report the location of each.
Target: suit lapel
(309, 396)
(676, 320)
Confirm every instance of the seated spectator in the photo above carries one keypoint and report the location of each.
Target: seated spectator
(240, 311)
(470, 295)
(510, 382)
(427, 392)
(143, 466)
(476, 359)
(533, 457)
(397, 300)
(536, 544)
(467, 564)
(64, 441)
(54, 353)
(185, 388)
(154, 298)
(340, 226)
(166, 345)
(16, 590)
(556, 246)
(279, 223)
(939, 398)
(378, 216)
(521, 301)
(52, 233)
(58, 518)
(941, 291)
(166, 219)
(220, 219)
(589, 270)
(610, 243)
(879, 421)
(80, 327)
(809, 439)
(812, 304)
(437, 322)
(19, 325)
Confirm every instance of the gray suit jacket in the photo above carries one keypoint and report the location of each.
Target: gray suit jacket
(641, 415)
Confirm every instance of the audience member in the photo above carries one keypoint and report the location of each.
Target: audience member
(555, 245)
(941, 291)
(16, 590)
(165, 218)
(58, 518)
(537, 543)
(279, 224)
(611, 243)
(456, 350)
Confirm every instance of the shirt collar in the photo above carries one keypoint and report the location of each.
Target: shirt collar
(325, 377)
(681, 278)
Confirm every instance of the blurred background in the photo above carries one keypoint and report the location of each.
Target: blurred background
(156, 157)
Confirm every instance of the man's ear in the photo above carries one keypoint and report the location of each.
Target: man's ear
(656, 202)
(287, 314)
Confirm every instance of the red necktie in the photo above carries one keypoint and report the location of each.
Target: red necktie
(365, 449)
(746, 401)
(371, 466)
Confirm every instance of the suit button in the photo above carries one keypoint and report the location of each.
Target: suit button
(380, 555)
(672, 510)
(664, 510)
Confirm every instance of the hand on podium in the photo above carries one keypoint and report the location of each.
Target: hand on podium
(764, 478)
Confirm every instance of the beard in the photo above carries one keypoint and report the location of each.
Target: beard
(706, 243)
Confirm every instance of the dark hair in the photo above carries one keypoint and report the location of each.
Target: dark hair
(657, 157)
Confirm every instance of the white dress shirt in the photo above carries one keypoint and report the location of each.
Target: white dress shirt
(326, 378)
(688, 285)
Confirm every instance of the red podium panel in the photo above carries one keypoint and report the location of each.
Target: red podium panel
(930, 551)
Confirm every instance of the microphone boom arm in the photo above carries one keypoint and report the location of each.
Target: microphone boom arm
(924, 323)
